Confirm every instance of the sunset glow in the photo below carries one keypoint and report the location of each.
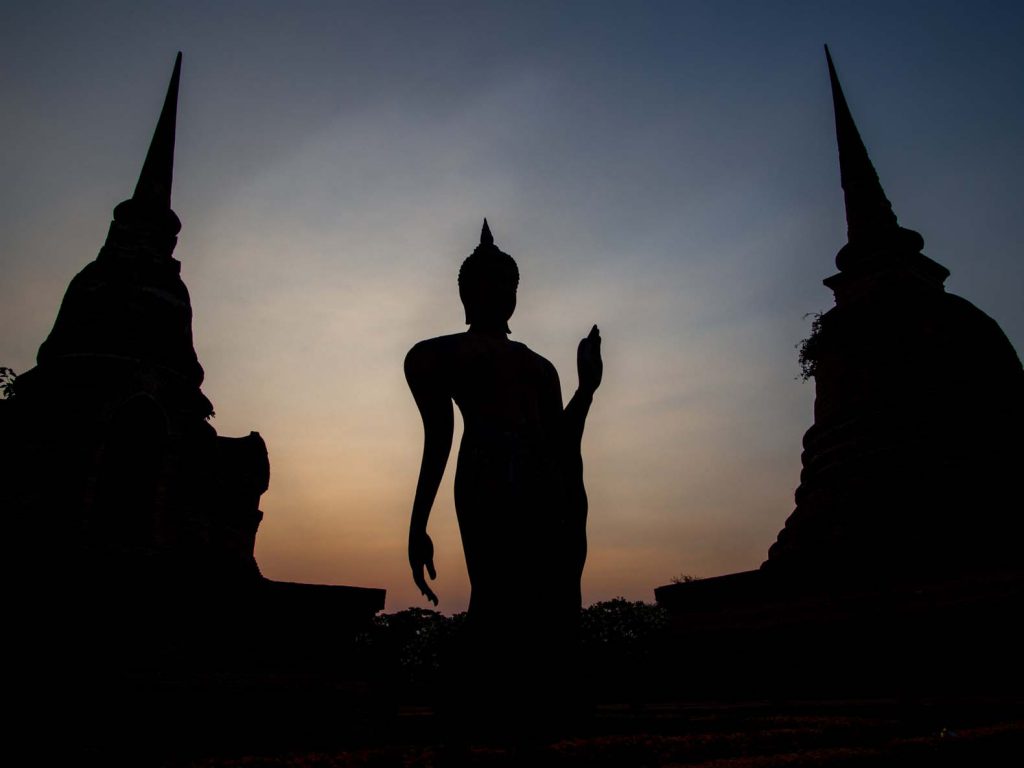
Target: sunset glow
(665, 171)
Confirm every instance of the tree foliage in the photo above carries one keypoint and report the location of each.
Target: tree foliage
(685, 578)
(618, 639)
(810, 347)
(7, 377)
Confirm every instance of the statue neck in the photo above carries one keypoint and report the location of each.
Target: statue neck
(497, 330)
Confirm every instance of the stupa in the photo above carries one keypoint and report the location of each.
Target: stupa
(121, 463)
(120, 488)
(900, 568)
(912, 465)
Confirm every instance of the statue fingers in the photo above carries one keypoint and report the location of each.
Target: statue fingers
(417, 577)
(427, 592)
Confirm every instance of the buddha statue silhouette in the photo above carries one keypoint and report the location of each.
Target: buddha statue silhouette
(519, 493)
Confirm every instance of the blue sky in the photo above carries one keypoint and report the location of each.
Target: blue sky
(666, 170)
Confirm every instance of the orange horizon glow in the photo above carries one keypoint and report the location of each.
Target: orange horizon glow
(666, 170)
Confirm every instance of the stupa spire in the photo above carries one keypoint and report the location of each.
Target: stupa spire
(154, 186)
(869, 214)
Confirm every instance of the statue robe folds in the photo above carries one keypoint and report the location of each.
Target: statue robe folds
(519, 487)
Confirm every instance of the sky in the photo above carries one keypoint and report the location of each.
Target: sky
(665, 170)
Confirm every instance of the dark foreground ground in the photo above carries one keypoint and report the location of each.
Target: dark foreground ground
(644, 695)
(761, 734)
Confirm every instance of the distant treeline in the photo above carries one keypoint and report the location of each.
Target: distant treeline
(621, 641)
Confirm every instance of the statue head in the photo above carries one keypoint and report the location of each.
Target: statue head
(488, 279)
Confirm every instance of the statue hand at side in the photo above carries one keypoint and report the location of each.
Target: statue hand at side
(421, 555)
(588, 361)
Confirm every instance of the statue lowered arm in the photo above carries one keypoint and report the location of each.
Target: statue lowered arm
(435, 406)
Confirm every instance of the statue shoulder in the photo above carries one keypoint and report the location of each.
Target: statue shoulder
(429, 357)
(543, 366)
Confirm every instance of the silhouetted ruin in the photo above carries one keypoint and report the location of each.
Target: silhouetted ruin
(913, 461)
(904, 548)
(129, 510)
(120, 459)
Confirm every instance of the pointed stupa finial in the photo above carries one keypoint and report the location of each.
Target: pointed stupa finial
(869, 215)
(871, 226)
(154, 186)
(486, 238)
